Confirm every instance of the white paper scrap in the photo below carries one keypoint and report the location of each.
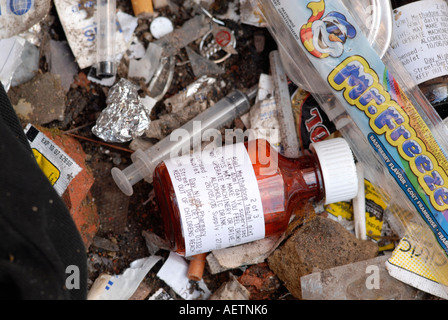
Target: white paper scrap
(160, 294)
(122, 287)
(174, 273)
(10, 58)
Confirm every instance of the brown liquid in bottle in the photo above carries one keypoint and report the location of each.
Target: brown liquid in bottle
(289, 184)
(435, 89)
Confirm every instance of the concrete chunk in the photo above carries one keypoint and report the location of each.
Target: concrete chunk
(319, 244)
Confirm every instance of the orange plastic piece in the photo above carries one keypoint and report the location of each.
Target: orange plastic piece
(196, 267)
(142, 7)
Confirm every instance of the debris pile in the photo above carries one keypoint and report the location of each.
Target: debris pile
(192, 76)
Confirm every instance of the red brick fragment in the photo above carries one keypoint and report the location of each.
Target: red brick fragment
(77, 196)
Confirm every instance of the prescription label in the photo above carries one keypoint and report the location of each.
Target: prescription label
(420, 40)
(57, 166)
(218, 198)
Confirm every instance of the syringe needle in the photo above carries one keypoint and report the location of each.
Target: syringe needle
(222, 113)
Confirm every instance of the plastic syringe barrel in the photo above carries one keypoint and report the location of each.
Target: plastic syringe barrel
(105, 39)
(144, 162)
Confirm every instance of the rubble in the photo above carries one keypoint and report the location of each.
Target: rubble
(260, 281)
(160, 27)
(40, 100)
(231, 290)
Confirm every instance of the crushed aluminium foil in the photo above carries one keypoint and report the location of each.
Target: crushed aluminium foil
(126, 115)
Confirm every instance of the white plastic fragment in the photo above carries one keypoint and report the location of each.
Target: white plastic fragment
(359, 205)
(122, 287)
(174, 273)
(160, 294)
(288, 133)
(128, 23)
(107, 82)
(263, 114)
(242, 255)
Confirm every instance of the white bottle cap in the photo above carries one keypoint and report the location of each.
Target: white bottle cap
(161, 26)
(338, 169)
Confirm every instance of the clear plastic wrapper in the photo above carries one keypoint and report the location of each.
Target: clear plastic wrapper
(391, 127)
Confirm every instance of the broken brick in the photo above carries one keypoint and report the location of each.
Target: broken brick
(260, 281)
(77, 196)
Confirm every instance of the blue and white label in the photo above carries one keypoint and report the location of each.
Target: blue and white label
(17, 7)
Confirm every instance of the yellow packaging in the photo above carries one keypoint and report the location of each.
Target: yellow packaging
(409, 264)
(376, 229)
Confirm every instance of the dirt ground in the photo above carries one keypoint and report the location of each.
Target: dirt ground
(123, 220)
(119, 240)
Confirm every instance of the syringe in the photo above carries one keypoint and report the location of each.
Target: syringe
(144, 162)
(105, 39)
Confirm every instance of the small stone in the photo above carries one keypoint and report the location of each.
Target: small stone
(39, 101)
(319, 244)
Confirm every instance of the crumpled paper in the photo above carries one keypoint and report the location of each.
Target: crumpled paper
(126, 116)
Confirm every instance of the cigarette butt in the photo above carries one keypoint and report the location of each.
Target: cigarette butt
(142, 7)
(196, 268)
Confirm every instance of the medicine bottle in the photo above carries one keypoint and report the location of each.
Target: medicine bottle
(244, 192)
(420, 42)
